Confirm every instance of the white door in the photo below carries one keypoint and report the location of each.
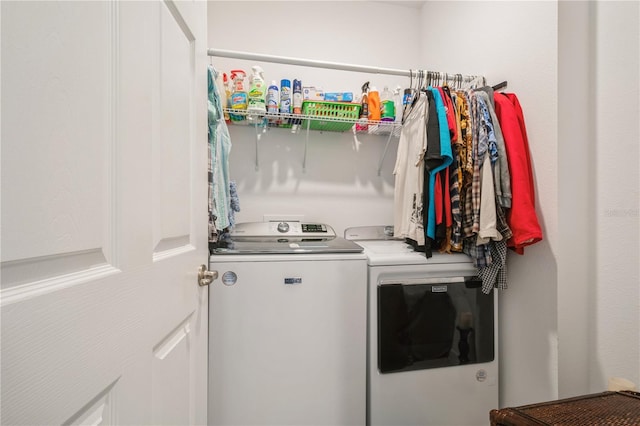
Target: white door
(104, 212)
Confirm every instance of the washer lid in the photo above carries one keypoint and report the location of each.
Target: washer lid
(284, 238)
(383, 249)
(395, 252)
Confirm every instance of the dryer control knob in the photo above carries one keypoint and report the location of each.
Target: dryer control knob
(283, 227)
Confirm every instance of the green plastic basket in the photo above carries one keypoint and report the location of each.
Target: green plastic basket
(330, 115)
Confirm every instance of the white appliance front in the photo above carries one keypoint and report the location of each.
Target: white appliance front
(288, 339)
(445, 394)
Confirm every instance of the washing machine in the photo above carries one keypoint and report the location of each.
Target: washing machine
(433, 338)
(287, 327)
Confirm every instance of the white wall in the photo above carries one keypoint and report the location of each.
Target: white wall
(577, 263)
(598, 290)
(615, 336)
(340, 185)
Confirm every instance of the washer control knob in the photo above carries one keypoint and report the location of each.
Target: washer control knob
(283, 227)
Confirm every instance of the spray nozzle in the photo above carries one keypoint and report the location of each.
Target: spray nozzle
(257, 70)
(238, 74)
(365, 87)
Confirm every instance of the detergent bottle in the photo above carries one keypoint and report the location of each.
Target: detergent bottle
(387, 106)
(362, 124)
(374, 104)
(239, 96)
(257, 92)
(227, 96)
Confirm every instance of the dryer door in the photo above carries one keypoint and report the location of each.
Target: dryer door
(432, 323)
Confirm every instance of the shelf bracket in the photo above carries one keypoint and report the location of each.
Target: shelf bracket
(306, 142)
(384, 153)
(257, 167)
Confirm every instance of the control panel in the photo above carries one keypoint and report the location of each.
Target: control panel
(314, 227)
(282, 228)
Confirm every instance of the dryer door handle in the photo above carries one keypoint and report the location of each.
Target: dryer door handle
(416, 281)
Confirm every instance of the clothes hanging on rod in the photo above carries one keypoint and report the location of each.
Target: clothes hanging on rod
(222, 205)
(521, 216)
(409, 170)
(469, 205)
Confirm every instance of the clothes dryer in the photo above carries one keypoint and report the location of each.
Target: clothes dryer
(433, 340)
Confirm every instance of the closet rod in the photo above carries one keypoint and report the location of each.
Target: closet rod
(305, 62)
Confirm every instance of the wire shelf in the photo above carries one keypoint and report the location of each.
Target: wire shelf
(297, 122)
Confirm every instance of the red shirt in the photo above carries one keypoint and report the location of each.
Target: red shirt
(522, 218)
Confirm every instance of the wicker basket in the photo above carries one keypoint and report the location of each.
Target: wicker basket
(332, 116)
(601, 409)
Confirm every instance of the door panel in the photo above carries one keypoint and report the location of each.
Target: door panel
(171, 377)
(171, 151)
(56, 115)
(104, 160)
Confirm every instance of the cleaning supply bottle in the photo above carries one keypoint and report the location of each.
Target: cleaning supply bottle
(285, 100)
(373, 98)
(239, 96)
(227, 95)
(257, 92)
(397, 100)
(273, 101)
(362, 124)
(273, 98)
(407, 101)
(387, 107)
(297, 102)
(297, 96)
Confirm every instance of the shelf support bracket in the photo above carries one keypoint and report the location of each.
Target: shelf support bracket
(306, 142)
(257, 167)
(384, 153)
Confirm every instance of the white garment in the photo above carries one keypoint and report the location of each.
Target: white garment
(409, 174)
(488, 219)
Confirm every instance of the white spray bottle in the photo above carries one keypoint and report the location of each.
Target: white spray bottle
(257, 91)
(397, 100)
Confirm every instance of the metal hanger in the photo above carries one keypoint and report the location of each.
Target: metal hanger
(410, 79)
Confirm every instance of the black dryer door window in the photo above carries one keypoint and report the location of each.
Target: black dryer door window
(424, 326)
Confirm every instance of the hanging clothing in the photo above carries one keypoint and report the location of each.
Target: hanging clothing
(522, 217)
(494, 275)
(502, 181)
(454, 238)
(408, 172)
(219, 148)
(439, 161)
(234, 203)
(458, 143)
(488, 225)
(487, 156)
